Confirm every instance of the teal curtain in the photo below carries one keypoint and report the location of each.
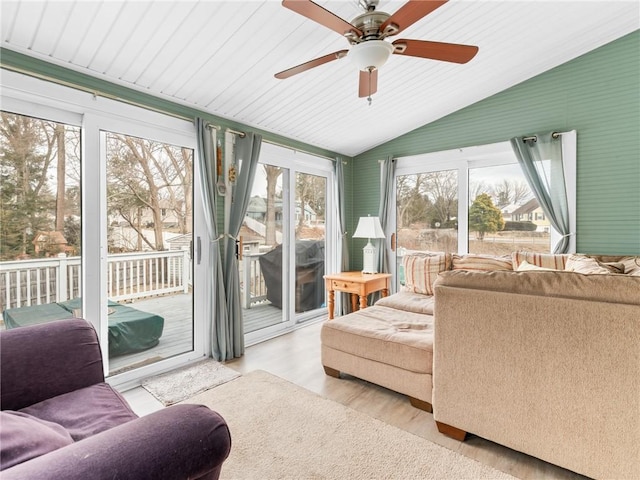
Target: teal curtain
(385, 211)
(216, 299)
(343, 244)
(540, 157)
(247, 153)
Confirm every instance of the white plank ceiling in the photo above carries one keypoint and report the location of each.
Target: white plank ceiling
(220, 57)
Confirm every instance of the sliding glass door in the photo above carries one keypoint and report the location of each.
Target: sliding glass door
(97, 220)
(149, 237)
(283, 245)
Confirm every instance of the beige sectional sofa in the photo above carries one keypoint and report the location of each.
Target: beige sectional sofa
(515, 349)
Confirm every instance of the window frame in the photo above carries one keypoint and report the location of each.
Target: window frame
(489, 155)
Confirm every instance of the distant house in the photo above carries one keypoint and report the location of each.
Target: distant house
(507, 212)
(532, 212)
(180, 242)
(257, 210)
(167, 213)
(51, 243)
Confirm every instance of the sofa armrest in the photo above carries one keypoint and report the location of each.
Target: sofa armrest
(47, 360)
(178, 442)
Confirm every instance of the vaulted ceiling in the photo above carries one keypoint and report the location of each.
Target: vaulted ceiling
(221, 57)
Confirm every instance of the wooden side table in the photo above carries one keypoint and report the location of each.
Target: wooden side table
(355, 283)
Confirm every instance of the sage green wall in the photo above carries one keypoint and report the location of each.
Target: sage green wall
(597, 94)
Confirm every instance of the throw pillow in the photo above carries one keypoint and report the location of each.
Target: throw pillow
(631, 265)
(546, 260)
(527, 267)
(487, 263)
(421, 271)
(586, 265)
(23, 437)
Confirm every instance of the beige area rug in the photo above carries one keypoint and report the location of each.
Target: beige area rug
(178, 385)
(282, 431)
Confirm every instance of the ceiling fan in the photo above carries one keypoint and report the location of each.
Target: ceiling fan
(367, 32)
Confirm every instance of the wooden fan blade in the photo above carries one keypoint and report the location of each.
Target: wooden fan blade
(447, 52)
(303, 67)
(368, 82)
(321, 15)
(410, 13)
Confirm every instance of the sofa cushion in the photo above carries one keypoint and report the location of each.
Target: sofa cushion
(86, 411)
(409, 302)
(546, 260)
(631, 265)
(527, 267)
(422, 269)
(481, 262)
(587, 265)
(23, 437)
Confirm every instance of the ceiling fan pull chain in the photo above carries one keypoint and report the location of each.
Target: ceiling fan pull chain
(369, 97)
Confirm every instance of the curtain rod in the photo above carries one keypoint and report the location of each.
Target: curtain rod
(229, 130)
(277, 144)
(535, 138)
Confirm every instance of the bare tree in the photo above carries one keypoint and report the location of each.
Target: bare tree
(521, 192)
(442, 188)
(150, 178)
(509, 191)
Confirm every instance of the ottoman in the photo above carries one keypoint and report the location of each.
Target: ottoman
(385, 345)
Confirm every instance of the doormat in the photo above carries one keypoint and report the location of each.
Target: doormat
(177, 385)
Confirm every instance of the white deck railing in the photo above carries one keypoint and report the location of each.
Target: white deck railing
(130, 275)
(253, 288)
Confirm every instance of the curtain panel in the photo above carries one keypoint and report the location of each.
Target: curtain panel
(540, 157)
(385, 210)
(246, 155)
(216, 309)
(343, 241)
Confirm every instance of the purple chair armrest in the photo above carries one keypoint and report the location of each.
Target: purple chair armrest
(46, 360)
(178, 442)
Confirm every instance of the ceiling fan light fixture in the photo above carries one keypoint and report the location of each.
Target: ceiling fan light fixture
(370, 54)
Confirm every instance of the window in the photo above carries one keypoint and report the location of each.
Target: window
(40, 219)
(501, 211)
(474, 200)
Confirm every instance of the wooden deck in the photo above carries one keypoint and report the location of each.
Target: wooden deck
(177, 336)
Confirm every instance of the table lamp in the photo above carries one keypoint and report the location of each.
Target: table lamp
(369, 227)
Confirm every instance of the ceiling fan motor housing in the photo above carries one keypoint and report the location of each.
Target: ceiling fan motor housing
(369, 24)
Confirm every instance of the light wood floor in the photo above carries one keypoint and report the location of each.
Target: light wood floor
(296, 357)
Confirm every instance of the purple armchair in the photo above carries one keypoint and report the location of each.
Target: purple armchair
(59, 419)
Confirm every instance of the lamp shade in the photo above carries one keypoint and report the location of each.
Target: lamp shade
(370, 54)
(369, 227)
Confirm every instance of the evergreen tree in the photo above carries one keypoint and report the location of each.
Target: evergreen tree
(484, 216)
